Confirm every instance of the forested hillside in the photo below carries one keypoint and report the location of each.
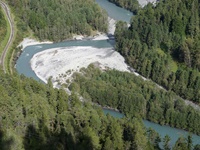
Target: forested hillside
(136, 98)
(162, 44)
(37, 116)
(3, 28)
(58, 20)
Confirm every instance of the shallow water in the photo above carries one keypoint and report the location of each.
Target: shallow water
(114, 11)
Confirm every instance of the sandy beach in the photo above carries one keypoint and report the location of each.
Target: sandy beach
(61, 63)
(99, 35)
(56, 62)
(28, 42)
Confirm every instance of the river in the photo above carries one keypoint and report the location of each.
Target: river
(162, 130)
(23, 65)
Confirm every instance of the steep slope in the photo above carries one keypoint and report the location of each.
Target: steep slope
(11, 32)
(162, 44)
(58, 20)
(36, 116)
(136, 97)
(3, 30)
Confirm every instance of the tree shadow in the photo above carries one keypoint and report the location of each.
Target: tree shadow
(111, 39)
(44, 139)
(5, 144)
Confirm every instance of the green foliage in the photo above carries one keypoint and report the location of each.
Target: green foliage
(135, 97)
(5, 142)
(162, 44)
(197, 147)
(3, 29)
(154, 138)
(58, 20)
(181, 144)
(37, 116)
(2, 24)
(166, 141)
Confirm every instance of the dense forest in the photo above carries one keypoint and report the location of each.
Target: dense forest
(162, 44)
(57, 20)
(3, 28)
(37, 116)
(135, 97)
(131, 5)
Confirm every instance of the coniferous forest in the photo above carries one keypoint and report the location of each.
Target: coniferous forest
(37, 116)
(58, 20)
(162, 44)
(136, 97)
(3, 28)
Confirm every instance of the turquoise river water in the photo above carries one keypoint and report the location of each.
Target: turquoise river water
(162, 130)
(23, 66)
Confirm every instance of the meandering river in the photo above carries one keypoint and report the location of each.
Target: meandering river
(162, 130)
(23, 65)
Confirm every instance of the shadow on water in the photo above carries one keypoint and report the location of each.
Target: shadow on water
(111, 39)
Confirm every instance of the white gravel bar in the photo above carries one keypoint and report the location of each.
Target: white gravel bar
(61, 63)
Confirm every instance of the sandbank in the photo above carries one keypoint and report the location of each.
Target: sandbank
(101, 36)
(61, 63)
(28, 42)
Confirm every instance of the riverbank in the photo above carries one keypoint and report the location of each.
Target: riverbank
(61, 63)
(99, 35)
(145, 2)
(29, 42)
(78, 41)
(82, 57)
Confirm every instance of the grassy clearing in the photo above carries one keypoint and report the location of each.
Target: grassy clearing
(173, 66)
(160, 52)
